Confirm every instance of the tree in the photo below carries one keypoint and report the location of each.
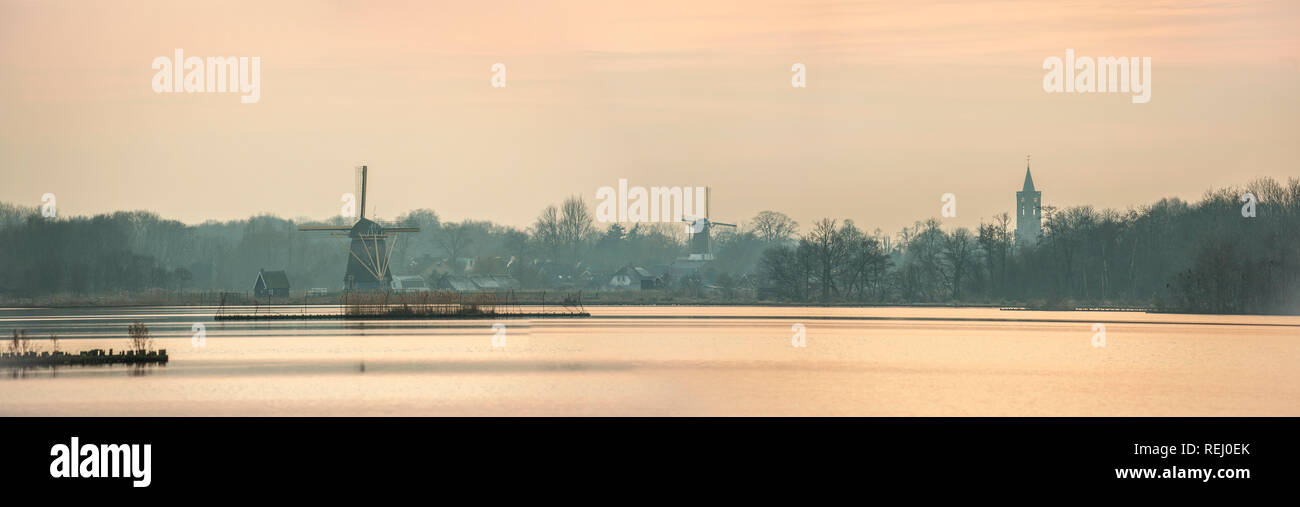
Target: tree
(575, 226)
(20, 344)
(455, 239)
(995, 239)
(546, 231)
(923, 273)
(516, 244)
(773, 227)
(867, 264)
(784, 272)
(957, 253)
(828, 250)
(141, 342)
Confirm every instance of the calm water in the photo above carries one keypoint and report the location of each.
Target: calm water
(674, 361)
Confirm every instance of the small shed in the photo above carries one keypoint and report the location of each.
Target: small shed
(409, 284)
(271, 284)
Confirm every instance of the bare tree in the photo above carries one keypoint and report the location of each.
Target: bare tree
(576, 225)
(546, 231)
(958, 251)
(773, 227)
(865, 263)
(20, 345)
(828, 251)
(994, 238)
(455, 239)
(141, 342)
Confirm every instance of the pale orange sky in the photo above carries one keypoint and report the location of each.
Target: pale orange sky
(905, 101)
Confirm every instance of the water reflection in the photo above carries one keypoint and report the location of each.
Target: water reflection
(678, 361)
(131, 370)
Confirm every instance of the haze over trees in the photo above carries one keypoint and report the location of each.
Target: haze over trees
(1199, 257)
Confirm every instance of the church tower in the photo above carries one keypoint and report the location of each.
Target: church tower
(1029, 211)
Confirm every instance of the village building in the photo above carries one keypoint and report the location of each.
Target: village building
(635, 278)
(409, 283)
(271, 284)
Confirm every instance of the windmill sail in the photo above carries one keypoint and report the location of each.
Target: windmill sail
(360, 188)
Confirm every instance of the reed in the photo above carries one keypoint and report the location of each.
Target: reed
(419, 304)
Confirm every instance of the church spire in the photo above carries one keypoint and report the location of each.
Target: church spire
(1029, 211)
(1029, 180)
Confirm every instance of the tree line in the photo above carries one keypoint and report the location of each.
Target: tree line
(1174, 255)
(1171, 255)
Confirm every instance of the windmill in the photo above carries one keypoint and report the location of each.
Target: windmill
(371, 246)
(700, 231)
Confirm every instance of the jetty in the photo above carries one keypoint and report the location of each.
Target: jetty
(94, 357)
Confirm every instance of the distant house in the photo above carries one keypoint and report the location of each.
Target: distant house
(271, 284)
(409, 284)
(474, 283)
(632, 277)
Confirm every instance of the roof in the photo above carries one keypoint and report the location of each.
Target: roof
(459, 283)
(456, 282)
(1029, 181)
(409, 281)
(274, 279)
(630, 270)
(493, 282)
(486, 282)
(365, 227)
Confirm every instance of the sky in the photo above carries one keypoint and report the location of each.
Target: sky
(904, 102)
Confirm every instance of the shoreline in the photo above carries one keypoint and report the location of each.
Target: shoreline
(721, 304)
(400, 316)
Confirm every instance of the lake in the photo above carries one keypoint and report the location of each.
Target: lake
(689, 360)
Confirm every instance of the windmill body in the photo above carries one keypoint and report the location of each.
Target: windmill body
(701, 231)
(367, 258)
(369, 247)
